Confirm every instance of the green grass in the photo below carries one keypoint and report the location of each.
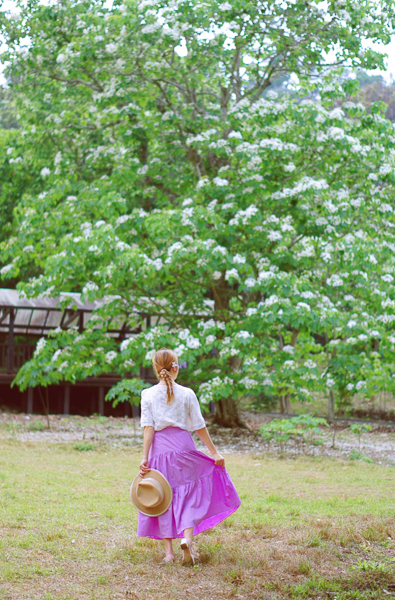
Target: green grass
(36, 426)
(84, 446)
(307, 528)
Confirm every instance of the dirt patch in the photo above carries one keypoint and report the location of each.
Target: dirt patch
(377, 445)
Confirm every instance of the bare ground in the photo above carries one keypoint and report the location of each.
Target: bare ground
(377, 445)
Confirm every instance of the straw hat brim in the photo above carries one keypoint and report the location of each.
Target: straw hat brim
(155, 511)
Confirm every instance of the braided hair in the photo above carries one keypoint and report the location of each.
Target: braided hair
(163, 360)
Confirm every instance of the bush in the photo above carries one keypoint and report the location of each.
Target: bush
(299, 429)
(355, 455)
(84, 446)
(36, 426)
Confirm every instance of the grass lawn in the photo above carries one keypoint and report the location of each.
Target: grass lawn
(307, 528)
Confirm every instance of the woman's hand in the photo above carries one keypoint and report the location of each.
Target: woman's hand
(219, 459)
(144, 468)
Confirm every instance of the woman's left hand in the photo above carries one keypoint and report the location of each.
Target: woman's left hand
(144, 468)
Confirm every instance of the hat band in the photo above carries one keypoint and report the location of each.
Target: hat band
(149, 492)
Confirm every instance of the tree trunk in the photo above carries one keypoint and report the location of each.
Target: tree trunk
(331, 407)
(227, 414)
(226, 409)
(285, 405)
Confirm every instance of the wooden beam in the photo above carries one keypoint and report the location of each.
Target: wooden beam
(29, 400)
(11, 346)
(66, 402)
(29, 321)
(72, 314)
(81, 322)
(5, 313)
(101, 400)
(45, 322)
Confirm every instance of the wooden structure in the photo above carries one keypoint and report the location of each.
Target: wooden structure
(22, 322)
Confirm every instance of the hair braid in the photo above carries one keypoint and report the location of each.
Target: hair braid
(163, 361)
(167, 378)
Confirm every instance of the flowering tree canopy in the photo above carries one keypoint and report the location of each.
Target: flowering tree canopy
(257, 230)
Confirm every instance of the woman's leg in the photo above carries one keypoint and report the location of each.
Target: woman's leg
(187, 550)
(168, 547)
(188, 533)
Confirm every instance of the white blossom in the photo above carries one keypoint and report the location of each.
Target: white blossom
(304, 306)
(151, 28)
(42, 342)
(90, 287)
(288, 348)
(6, 268)
(111, 356)
(56, 355)
(250, 282)
(123, 219)
(125, 344)
(231, 274)
(336, 113)
(310, 364)
(220, 182)
(387, 278)
(274, 236)
(248, 382)
(335, 281)
(192, 342)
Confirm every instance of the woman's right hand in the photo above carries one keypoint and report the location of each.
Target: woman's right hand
(219, 459)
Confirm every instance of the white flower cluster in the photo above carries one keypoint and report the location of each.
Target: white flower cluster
(91, 286)
(305, 184)
(211, 324)
(40, 346)
(232, 274)
(276, 144)
(111, 356)
(208, 389)
(220, 182)
(248, 383)
(126, 343)
(190, 341)
(289, 349)
(244, 216)
(201, 137)
(56, 355)
(244, 335)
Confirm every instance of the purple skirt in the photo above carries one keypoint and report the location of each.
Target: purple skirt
(203, 492)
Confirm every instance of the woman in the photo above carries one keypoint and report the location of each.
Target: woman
(203, 492)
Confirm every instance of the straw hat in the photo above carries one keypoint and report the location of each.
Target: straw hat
(151, 494)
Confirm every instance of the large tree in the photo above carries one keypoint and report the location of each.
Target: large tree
(257, 231)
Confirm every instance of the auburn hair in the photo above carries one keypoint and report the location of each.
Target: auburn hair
(162, 363)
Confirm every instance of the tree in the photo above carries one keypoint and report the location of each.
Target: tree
(251, 228)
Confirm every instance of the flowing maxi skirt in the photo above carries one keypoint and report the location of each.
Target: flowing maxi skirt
(203, 492)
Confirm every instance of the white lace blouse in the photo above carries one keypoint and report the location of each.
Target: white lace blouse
(183, 411)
